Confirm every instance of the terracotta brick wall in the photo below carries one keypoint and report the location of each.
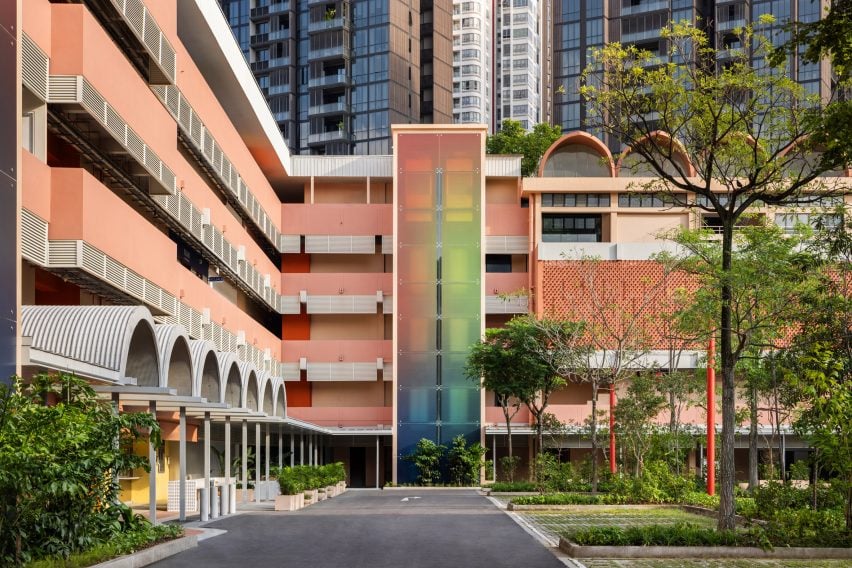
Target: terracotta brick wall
(614, 293)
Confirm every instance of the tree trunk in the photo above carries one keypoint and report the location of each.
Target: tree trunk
(727, 473)
(509, 443)
(753, 481)
(594, 433)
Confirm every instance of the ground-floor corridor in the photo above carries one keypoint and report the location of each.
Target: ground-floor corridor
(374, 529)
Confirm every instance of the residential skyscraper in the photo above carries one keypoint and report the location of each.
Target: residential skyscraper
(518, 62)
(581, 25)
(338, 73)
(472, 62)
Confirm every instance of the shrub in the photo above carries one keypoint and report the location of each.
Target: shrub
(508, 465)
(506, 486)
(700, 499)
(681, 534)
(561, 499)
(59, 450)
(427, 459)
(465, 461)
(804, 527)
(553, 476)
(775, 496)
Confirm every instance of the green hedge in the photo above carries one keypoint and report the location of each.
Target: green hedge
(562, 499)
(506, 486)
(681, 534)
(294, 480)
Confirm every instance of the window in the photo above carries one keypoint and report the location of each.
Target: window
(574, 200)
(498, 263)
(557, 228)
(640, 200)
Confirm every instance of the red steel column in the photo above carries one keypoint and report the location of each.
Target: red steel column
(612, 467)
(711, 418)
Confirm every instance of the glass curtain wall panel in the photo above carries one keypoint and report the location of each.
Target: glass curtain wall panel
(438, 288)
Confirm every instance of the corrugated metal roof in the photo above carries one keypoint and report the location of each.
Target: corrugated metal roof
(200, 350)
(93, 335)
(342, 166)
(168, 335)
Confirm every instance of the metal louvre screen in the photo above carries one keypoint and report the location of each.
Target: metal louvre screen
(438, 288)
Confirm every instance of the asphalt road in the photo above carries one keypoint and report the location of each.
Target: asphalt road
(374, 529)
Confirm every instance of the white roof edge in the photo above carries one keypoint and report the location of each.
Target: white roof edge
(217, 23)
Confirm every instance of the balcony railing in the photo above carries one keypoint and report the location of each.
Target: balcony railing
(330, 108)
(339, 78)
(639, 36)
(326, 25)
(329, 136)
(730, 24)
(644, 7)
(328, 52)
(279, 34)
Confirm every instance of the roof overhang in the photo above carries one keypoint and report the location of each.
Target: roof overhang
(205, 33)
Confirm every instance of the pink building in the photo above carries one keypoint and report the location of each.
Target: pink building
(284, 309)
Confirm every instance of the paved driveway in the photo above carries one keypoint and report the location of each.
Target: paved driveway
(374, 529)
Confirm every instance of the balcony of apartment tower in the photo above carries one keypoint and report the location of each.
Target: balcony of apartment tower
(332, 128)
(633, 7)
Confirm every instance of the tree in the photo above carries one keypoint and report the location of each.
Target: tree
(426, 457)
(513, 139)
(826, 37)
(61, 450)
(636, 412)
(818, 364)
(560, 347)
(734, 138)
(464, 462)
(509, 371)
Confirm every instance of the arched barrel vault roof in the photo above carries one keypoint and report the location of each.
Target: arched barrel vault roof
(204, 356)
(172, 340)
(100, 342)
(229, 364)
(266, 404)
(250, 375)
(579, 138)
(661, 137)
(280, 398)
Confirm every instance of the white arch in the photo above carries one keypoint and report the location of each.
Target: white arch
(175, 358)
(266, 403)
(279, 398)
(250, 396)
(230, 380)
(206, 378)
(109, 343)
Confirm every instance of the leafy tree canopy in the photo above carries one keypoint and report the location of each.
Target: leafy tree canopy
(513, 139)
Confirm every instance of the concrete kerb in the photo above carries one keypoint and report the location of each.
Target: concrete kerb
(429, 488)
(575, 550)
(153, 554)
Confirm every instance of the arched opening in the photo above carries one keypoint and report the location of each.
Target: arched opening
(633, 164)
(577, 154)
(209, 384)
(233, 387)
(251, 391)
(268, 405)
(175, 358)
(281, 401)
(205, 367)
(142, 357)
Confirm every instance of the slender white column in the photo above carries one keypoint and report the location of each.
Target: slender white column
(210, 494)
(292, 449)
(257, 450)
(377, 461)
(245, 462)
(228, 463)
(152, 477)
(182, 466)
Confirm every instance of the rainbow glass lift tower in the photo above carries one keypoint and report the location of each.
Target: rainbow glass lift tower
(438, 290)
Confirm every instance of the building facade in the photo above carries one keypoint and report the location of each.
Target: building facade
(311, 308)
(582, 25)
(338, 74)
(518, 62)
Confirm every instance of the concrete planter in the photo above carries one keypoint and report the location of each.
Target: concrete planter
(331, 491)
(289, 502)
(311, 496)
(577, 551)
(153, 554)
(322, 494)
(341, 487)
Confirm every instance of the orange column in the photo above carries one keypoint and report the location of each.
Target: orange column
(612, 467)
(711, 418)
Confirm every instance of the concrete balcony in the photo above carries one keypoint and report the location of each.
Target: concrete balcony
(339, 78)
(330, 52)
(338, 107)
(344, 416)
(329, 136)
(644, 7)
(328, 25)
(338, 351)
(338, 219)
(331, 283)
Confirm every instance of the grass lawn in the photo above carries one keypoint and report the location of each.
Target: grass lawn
(566, 523)
(727, 563)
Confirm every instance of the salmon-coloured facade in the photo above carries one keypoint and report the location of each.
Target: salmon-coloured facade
(292, 304)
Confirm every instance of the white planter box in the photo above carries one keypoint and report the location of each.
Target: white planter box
(289, 502)
(322, 495)
(313, 494)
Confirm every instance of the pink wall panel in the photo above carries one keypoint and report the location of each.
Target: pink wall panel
(337, 219)
(501, 219)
